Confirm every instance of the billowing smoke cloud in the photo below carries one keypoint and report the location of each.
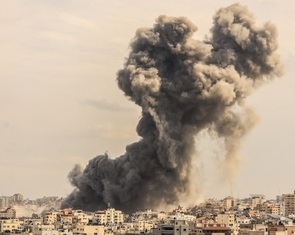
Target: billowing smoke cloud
(183, 86)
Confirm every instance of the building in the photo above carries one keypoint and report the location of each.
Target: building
(251, 232)
(82, 217)
(289, 204)
(257, 201)
(176, 227)
(50, 217)
(109, 216)
(143, 226)
(277, 230)
(8, 213)
(4, 202)
(17, 198)
(11, 226)
(88, 230)
(229, 203)
(227, 219)
(216, 229)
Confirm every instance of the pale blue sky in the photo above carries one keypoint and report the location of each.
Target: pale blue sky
(60, 104)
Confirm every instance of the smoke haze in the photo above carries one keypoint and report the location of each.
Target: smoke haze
(183, 87)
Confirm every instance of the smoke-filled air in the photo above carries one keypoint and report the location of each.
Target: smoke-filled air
(183, 86)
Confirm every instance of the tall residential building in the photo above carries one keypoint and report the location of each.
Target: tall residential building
(109, 216)
(4, 202)
(289, 204)
(229, 203)
(8, 213)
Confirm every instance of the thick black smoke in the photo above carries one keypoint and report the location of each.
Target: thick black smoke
(183, 86)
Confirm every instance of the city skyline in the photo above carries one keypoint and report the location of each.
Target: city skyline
(61, 104)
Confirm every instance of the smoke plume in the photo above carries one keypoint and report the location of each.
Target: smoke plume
(183, 86)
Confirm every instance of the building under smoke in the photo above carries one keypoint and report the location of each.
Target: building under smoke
(183, 87)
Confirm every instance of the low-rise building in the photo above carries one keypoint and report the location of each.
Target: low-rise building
(89, 230)
(11, 226)
(176, 227)
(216, 229)
(8, 213)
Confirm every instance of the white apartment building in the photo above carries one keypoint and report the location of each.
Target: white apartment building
(109, 216)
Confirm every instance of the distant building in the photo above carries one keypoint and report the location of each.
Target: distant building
(11, 226)
(289, 204)
(4, 202)
(17, 198)
(229, 203)
(256, 201)
(8, 213)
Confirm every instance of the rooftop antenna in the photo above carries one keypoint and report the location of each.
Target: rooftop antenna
(231, 189)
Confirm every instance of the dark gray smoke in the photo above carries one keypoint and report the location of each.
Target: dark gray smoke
(183, 86)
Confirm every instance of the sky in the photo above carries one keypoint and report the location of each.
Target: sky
(60, 104)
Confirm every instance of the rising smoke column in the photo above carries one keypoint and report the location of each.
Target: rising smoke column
(183, 86)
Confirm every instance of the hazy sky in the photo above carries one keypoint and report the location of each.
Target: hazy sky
(60, 104)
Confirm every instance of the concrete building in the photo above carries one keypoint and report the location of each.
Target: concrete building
(17, 198)
(176, 227)
(277, 230)
(227, 219)
(216, 229)
(109, 216)
(8, 213)
(257, 201)
(251, 232)
(288, 201)
(88, 230)
(4, 202)
(143, 226)
(50, 217)
(229, 203)
(82, 217)
(290, 229)
(11, 226)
